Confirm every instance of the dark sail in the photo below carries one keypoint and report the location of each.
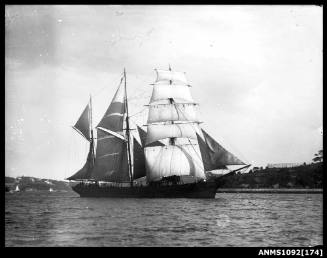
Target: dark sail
(114, 116)
(139, 160)
(207, 155)
(110, 157)
(83, 123)
(142, 135)
(111, 163)
(85, 172)
(220, 156)
(120, 173)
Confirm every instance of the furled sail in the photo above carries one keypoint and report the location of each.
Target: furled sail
(82, 125)
(219, 157)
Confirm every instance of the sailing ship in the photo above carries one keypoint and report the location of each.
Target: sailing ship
(173, 157)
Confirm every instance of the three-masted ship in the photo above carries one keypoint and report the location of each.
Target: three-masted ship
(174, 154)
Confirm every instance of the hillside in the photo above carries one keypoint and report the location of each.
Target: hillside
(305, 176)
(35, 184)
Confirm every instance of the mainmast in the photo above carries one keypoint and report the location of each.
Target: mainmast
(128, 134)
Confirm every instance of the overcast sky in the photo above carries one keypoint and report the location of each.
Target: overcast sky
(256, 72)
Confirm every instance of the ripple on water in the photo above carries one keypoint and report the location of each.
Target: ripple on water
(63, 219)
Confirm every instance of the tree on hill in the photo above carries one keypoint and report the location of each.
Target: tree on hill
(318, 156)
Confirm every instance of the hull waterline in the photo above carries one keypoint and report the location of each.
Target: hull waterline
(191, 190)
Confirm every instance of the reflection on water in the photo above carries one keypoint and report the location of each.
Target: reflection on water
(64, 219)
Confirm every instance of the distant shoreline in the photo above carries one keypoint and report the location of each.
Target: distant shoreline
(233, 190)
(269, 190)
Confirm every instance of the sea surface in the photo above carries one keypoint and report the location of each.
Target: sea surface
(231, 219)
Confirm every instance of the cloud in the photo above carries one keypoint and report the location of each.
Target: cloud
(256, 72)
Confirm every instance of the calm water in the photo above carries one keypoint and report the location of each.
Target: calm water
(64, 219)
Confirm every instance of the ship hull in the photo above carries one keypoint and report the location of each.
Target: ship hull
(191, 190)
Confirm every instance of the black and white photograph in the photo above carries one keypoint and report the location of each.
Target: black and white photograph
(164, 126)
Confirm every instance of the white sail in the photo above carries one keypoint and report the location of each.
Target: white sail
(163, 161)
(180, 93)
(172, 112)
(164, 75)
(158, 132)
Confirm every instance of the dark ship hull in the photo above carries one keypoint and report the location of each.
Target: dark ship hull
(190, 190)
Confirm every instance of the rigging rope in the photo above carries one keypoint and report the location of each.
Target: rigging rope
(69, 156)
(177, 108)
(195, 131)
(101, 89)
(144, 94)
(192, 144)
(233, 148)
(138, 112)
(198, 154)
